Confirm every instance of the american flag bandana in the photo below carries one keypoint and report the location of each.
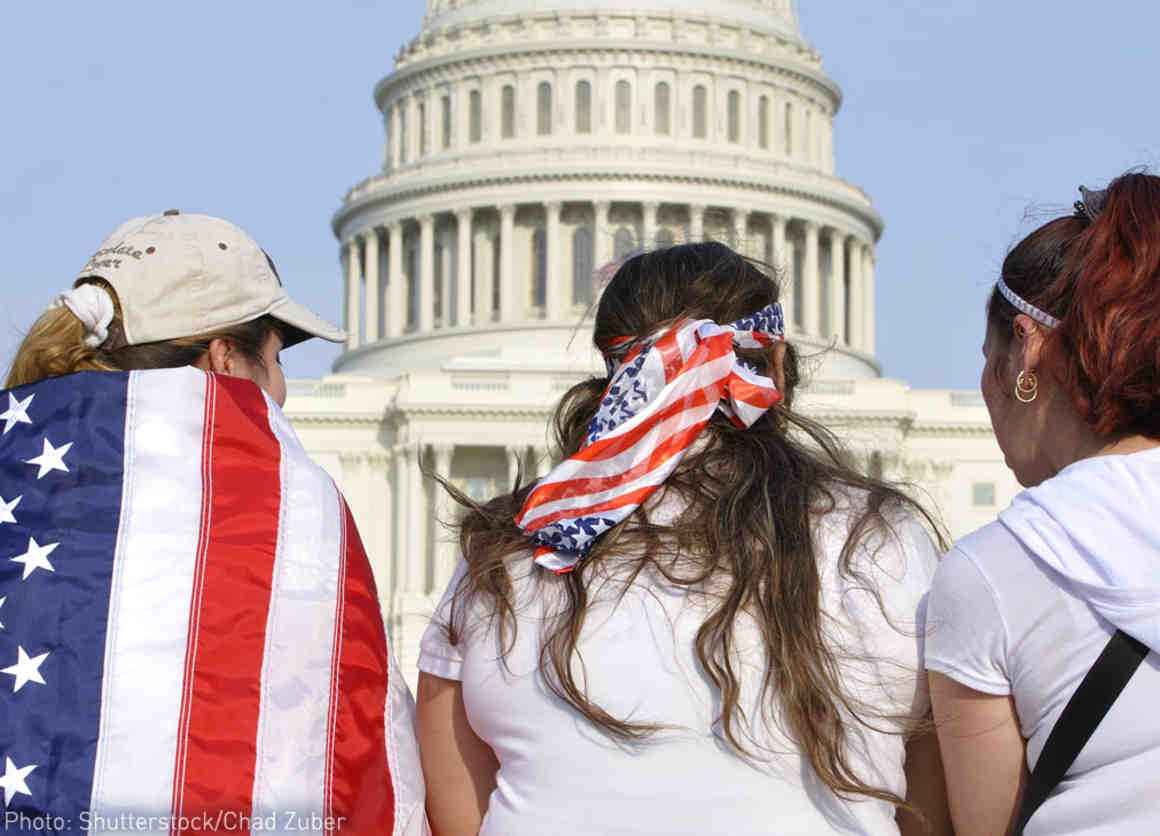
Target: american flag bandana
(190, 637)
(662, 393)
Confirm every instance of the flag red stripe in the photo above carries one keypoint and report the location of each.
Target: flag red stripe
(362, 797)
(207, 435)
(657, 456)
(224, 663)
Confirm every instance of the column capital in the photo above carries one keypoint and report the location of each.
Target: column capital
(507, 209)
(443, 448)
(652, 205)
(808, 225)
(465, 213)
(602, 206)
(426, 219)
(554, 205)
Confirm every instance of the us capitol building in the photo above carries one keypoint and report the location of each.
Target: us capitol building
(528, 145)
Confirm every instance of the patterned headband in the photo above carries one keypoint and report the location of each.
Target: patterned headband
(661, 395)
(1026, 307)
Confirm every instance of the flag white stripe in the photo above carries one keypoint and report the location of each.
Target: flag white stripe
(156, 555)
(295, 703)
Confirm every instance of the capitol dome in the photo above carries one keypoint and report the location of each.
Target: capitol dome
(530, 142)
(529, 145)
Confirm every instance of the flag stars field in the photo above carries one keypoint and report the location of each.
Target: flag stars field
(51, 459)
(13, 780)
(36, 557)
(17, 412)
(6, 509)
(26, 669)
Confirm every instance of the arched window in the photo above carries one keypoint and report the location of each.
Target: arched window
(763, 122)
(404, 146)
(663, 109)
(475, 105)
(700, 112)
(788, 129)
(623, 107)
(623, 243)
(422, 129)
(582, 266)
(447, 126)
(665, 237)
(734, 106)
(476, 116)
(583, 107)
(544, 109)
(539, 269)
(508, 112)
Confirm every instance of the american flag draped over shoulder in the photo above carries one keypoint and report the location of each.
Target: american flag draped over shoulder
(190, 628)
(661, 394)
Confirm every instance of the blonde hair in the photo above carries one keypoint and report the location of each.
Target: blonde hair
(55, 345)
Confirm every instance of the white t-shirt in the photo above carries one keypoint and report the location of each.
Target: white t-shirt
(1002, 623)
(561, 775)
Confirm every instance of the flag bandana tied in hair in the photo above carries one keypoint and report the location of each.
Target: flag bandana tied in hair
(662, 393)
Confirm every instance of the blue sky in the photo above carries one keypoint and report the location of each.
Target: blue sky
(965, 121)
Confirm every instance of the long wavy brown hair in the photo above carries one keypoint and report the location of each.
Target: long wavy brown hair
(752, 502)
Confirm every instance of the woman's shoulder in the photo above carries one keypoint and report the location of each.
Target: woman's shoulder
(893, 540)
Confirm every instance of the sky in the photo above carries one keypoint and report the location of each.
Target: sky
(967, 122)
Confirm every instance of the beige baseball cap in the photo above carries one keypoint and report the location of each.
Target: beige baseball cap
(182, 275)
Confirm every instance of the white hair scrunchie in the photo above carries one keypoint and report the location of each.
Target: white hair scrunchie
(93, 306)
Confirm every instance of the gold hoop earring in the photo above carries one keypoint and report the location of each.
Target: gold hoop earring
(1026, 387)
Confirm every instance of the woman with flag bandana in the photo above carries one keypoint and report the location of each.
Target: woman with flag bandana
(703, 620)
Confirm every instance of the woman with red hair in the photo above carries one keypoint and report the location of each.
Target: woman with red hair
(1044, 625)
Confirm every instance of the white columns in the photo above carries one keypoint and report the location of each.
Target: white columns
(507, 271)
(514, 457)
(857, 294)
(447, 281)
(404, 462)
(445, 547)
(396, 285)
(353, 292)
(416, 553)
(463, 280)
(837, 304)
(696, 223)
(869, 335)
(781, 262)
(484, 278)
(374, 307)
(741, 231)
(426, 273)
(602, 235)
(543, 461)
(811, 292)
(555, 302)
(649, 213)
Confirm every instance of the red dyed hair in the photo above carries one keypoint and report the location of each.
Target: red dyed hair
(1101, 279)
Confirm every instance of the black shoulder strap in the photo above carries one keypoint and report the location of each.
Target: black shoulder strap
(1083, 713)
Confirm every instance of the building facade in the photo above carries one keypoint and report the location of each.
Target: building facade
(528, 145)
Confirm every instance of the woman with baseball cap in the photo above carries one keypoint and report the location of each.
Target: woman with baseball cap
(167, 291)
(193, 625)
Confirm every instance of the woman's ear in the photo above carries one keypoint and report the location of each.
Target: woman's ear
(219, 357)
(1028, 342)
(777, 365)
